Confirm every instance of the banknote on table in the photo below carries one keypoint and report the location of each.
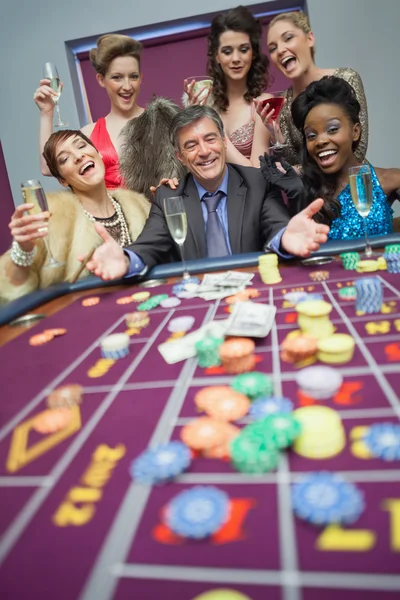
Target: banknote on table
(236, 278)
(183, 348)
(251, 319)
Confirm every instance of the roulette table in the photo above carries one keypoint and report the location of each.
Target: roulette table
(75, 525)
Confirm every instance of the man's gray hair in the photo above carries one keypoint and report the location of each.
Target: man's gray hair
(190, 115)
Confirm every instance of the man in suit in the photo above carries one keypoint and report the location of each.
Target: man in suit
(230, 209)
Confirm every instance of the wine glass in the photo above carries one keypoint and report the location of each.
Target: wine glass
(360, 181)
(175, 215)
(50, 72)
(276, 103)
(202, 84)
(32, 192)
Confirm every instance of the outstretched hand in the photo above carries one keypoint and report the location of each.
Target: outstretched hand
(108, 260)
(284, 178)
(303, 235)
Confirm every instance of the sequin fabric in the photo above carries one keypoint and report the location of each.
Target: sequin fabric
(350, 225)
(242, 138)
(293, 136)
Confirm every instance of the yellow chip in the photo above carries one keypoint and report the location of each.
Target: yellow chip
(336, 349)
(140, 296)
(367, 266)
(314, 308)
(382, 266)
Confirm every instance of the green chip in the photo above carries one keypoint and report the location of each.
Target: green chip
(145, 306)
(282, 428)
(350, 260)
(158, 298)
(392, 249)
(348, 293)
(254, 385)
(250, 455)
(208, 352)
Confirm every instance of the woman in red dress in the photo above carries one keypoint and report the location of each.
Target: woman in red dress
(116, 60)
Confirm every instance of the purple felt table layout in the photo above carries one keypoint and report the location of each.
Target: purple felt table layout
(73, 523)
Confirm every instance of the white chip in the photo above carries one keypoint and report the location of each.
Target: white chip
(181, 324)
(170, 302)
(295, 297)
(319, 382)
(117, 341)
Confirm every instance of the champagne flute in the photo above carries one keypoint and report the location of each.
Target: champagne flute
(50, 72)
(33, 193)
(360, 181)
(175, 215)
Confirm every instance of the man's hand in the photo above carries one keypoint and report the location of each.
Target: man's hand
(172, 183)
(284, 177)
(108, 260)
(303, 235)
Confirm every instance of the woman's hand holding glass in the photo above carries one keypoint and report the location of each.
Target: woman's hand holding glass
(45, 97)
(27, 228)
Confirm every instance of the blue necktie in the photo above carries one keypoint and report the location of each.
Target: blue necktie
(216, 242)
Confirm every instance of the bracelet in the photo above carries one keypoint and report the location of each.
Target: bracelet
(20, 257)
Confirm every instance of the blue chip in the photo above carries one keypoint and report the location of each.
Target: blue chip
(263, 407)
(369, 294)
(383, 441)
(198, 512)
(162, 463)
(322, 498)
(312, 297)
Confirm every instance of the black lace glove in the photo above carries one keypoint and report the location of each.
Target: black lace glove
(288, 182)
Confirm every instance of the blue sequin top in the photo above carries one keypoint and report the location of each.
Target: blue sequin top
(350, 224)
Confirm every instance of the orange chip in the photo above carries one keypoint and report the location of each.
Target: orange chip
(52, 420)
(92, 301)
(125, 300)
(209, 395)
(40, 338)
(229, 408)
(223, 450)
(56, 332)
(236, 348)
(298, 348)
(203, 433)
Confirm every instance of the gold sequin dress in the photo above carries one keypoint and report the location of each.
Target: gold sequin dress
(294, 138)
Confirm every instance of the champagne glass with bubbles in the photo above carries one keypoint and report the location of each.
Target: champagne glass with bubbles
(360, 181)
(50, 72)
(33, 193)
(175, 215)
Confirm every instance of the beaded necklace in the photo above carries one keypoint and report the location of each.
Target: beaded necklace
(119, 219)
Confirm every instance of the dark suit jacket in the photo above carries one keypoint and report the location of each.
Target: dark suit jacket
(255, 214)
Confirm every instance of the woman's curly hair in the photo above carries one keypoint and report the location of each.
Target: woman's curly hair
(328, 90)
(238, 19)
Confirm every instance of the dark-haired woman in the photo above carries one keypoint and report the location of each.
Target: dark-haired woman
(328, 115)
(240, 73)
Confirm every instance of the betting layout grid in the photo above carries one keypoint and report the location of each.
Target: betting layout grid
(285, 552)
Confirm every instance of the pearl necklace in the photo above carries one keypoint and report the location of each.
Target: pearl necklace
(119, 220)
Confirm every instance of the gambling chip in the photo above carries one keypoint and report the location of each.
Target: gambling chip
(92, 301)
(319, 276)
(203, 433)
(115, 346)
(350, 260)
(312, 297)
(324, 498)
(170, 302)
(237, 355)
(56, 332)
(383, 441)
(137, 320)
(348, 293)
(222, 594)
(125, 300)
(228, 408)
(322, 433)
(253, 385)
(392, 262)
(263, 407)
(181, 324)
(295, 297)
(198, 513)
(207, 351)
(65, 396)
(298, 348)
(206, 397)
(40, 339)
(369, 294)
(319, 382)
(161, 463)
(336, 349)
(140, 296)
(253, 452)
(52, 420)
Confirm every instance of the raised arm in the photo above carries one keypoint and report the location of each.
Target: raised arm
(43, 98)
(356, 83)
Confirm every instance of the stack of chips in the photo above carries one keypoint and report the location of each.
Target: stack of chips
(350, 260)
(367, 266)
(336, 349)
(161, 464)
(152, 302)
(325, 498)
(322, 432)
(237, 355)
(253, 385)
(137, 320)
(319, 382)
(392, 261)
(383, 440)
(115, 346)
(207, 351)
(369, 295)
(268, 268)
(313, 318)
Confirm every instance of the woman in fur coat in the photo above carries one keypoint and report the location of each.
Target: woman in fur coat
(75, 162)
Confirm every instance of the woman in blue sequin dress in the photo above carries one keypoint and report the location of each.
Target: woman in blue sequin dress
(327, 114)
